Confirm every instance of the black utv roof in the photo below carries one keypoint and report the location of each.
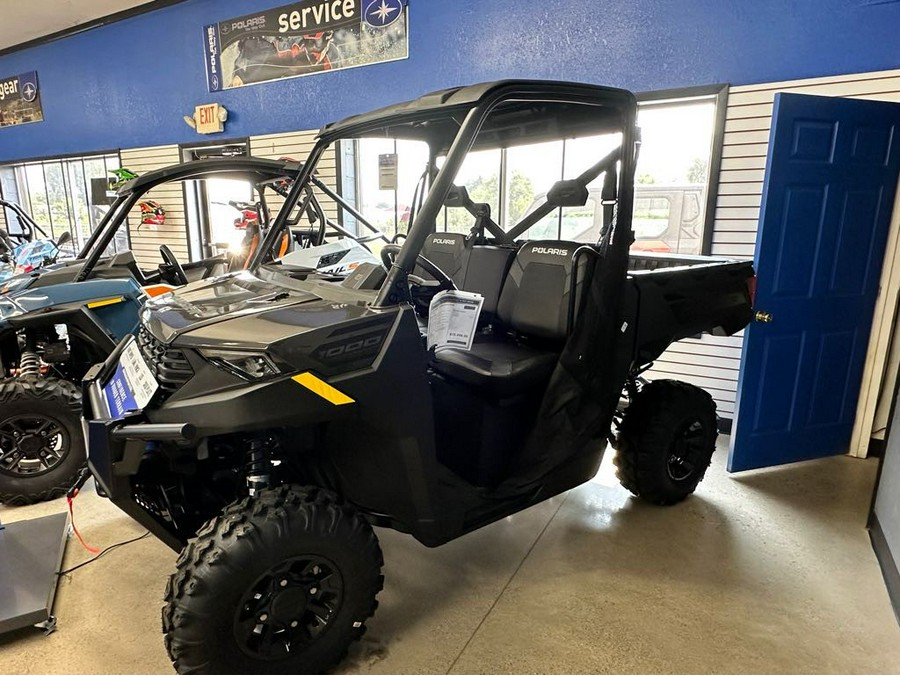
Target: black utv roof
(436, 117)
(253, 168)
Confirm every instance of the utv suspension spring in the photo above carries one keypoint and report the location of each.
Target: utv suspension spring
(29, 364)
(258, 467)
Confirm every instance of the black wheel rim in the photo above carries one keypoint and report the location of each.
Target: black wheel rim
(687, 451)
(288, 608)
(32, 445)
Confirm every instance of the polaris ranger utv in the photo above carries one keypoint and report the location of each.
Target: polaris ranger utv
(58, 319)
(262, 422)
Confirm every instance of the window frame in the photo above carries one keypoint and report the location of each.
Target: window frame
(197, 219)
(718, 93)
(715, 93)
(19, 170)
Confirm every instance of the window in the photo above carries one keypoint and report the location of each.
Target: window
(672, 179)
(673, 173)
(61, 195)
(480, 176)
(651, 217)
(385, 199)
(528, 172)
(215, 207)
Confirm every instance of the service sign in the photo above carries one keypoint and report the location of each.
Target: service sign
(304, 38)
(20, 100)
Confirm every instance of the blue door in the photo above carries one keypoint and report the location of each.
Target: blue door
(829, 189)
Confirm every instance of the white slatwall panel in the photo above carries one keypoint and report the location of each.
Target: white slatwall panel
(711, 362)
(145, 242)
(297, 145)
(3, 218)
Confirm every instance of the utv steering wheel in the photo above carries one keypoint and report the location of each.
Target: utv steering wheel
(389, 253)
(173, 267)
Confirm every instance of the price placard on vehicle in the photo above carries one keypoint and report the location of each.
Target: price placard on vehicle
(132, 385)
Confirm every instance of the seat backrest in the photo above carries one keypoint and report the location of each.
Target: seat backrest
(535, 296)
(487, 269)
(450, 252)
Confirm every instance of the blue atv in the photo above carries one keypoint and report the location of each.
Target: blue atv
(59, 319)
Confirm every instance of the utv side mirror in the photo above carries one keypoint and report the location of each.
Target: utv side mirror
(64, 238)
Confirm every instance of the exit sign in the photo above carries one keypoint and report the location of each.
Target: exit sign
(210, 118)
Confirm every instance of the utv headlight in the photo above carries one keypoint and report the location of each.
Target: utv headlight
(246, 365)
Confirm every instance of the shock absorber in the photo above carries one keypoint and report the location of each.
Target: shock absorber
(258, 467)
(29, 363)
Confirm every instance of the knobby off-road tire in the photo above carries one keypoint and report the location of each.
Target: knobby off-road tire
(278, 583)
(666, 441)
(41, 440)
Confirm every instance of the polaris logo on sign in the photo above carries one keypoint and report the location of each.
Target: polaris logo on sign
(382, 13)
(550, 251)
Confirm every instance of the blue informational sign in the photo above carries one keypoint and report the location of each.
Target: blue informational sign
(119, 397)
(132, 386)
(20, 100)
(304, 38)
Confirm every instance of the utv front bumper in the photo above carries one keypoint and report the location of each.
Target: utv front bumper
(117, 447)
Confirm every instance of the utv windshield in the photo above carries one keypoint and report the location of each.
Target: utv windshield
(538, 165)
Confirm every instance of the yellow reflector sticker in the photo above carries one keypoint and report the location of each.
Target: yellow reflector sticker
(106, 301)
(323, 389)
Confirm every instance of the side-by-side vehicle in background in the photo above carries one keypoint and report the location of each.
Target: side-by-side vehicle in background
(262, 422)
(60, 318)
(28, 247)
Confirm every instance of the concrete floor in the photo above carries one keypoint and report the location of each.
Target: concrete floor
(769, 571)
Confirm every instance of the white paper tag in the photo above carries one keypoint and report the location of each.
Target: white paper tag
(453, 318)
(140, 378)
(387, 172)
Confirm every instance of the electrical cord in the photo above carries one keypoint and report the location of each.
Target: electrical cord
(71, 494)
(101, 553)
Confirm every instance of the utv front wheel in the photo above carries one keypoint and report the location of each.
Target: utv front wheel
(41, 441)
(279, 583)
(666, 441)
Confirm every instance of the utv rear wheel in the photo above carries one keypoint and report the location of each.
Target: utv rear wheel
(666, 441)
(41, 441)
(279, 583)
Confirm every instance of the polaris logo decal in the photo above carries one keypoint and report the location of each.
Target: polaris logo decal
(550, 251)
(382, 13)
(437, 240)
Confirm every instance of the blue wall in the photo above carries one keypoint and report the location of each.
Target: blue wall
(129, 84)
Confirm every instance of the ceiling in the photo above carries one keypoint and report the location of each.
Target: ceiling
(26, 21)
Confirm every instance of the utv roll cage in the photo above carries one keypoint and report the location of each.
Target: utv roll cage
(492, 115)
(27, 224)
(255, 169)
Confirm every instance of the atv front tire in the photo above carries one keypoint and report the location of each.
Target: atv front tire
(41, 440)
(279, 583)
(666, 441)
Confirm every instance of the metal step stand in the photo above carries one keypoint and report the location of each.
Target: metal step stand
(31, 554)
